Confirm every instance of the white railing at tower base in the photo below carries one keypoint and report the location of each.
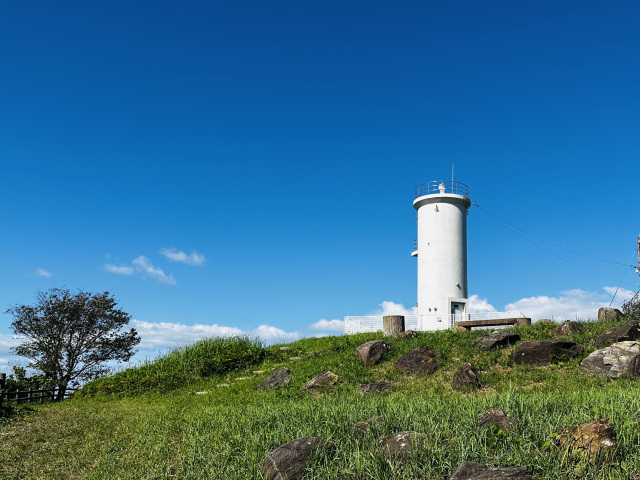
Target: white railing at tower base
(373, 323)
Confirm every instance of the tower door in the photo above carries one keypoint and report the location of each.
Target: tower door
(457, 311)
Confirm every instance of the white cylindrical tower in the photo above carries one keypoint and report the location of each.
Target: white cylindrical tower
(442, 253)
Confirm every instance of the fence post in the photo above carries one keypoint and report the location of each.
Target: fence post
(392, 324)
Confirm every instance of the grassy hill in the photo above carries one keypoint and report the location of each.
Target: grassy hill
(149, 422)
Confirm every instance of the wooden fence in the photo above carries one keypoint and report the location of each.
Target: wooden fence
(32, 395)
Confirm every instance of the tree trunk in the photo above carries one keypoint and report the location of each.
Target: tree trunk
(61, 391)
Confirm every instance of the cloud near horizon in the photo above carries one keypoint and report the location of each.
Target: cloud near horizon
(195, 259)
(570, 304)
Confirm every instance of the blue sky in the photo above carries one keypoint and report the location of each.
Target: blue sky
(281, 143)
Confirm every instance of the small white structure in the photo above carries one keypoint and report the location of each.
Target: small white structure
(441, 250)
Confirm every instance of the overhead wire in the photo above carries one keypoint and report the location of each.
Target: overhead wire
(515, 229)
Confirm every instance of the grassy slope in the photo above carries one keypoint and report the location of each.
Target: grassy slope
(226, 433)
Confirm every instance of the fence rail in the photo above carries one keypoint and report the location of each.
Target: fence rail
(33, 394)
(440, 187)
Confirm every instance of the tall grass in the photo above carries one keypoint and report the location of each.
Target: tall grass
(181, 367)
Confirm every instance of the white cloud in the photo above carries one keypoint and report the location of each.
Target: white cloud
(118, 269)
(195, 258)
(167, 334)
(570, 304)
(621, 295)
(479, 305)
(144, 266)
(7, 357)
(391, 308)
(42, 272)
(331, 325)
(274, 335)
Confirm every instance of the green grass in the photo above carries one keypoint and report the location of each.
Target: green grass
(180, 367)
(168, 433)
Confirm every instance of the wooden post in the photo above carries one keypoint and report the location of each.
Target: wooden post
(392, 324)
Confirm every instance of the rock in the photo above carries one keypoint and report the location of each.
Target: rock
(288, 461)
(363, 427)
(418, 360)
(496, 417)
(606, 314)
(478, 471)
(370, 353)
(202, 393)
(619, 334)
(543, 352)
(546, 321)
(595, 440)
(325, 379)
(276, 379)
(398, 447)
(223, 385)
(465, 378)
(496, 339)
(566, 328)
(376, 387)
(622, 359)
(405, 335)
(284, 349)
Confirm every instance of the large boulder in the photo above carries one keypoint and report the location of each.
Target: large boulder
(398, 447)
(606, 314)
(370, 353)
(418, 360)
(288, 461)
(543, 352)
(500, 338)
(497, 418)
(466, 378)
(276, 379)
(619, 334)
(375, 387)
(325, 379)
(595, 441)
(478, 471)
(621, 359)
(567, 328)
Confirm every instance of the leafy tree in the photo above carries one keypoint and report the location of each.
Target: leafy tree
(69, 336)
(19, 380)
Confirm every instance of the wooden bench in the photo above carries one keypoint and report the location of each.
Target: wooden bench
(496, 322)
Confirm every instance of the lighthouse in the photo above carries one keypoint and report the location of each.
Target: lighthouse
(441, 251)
